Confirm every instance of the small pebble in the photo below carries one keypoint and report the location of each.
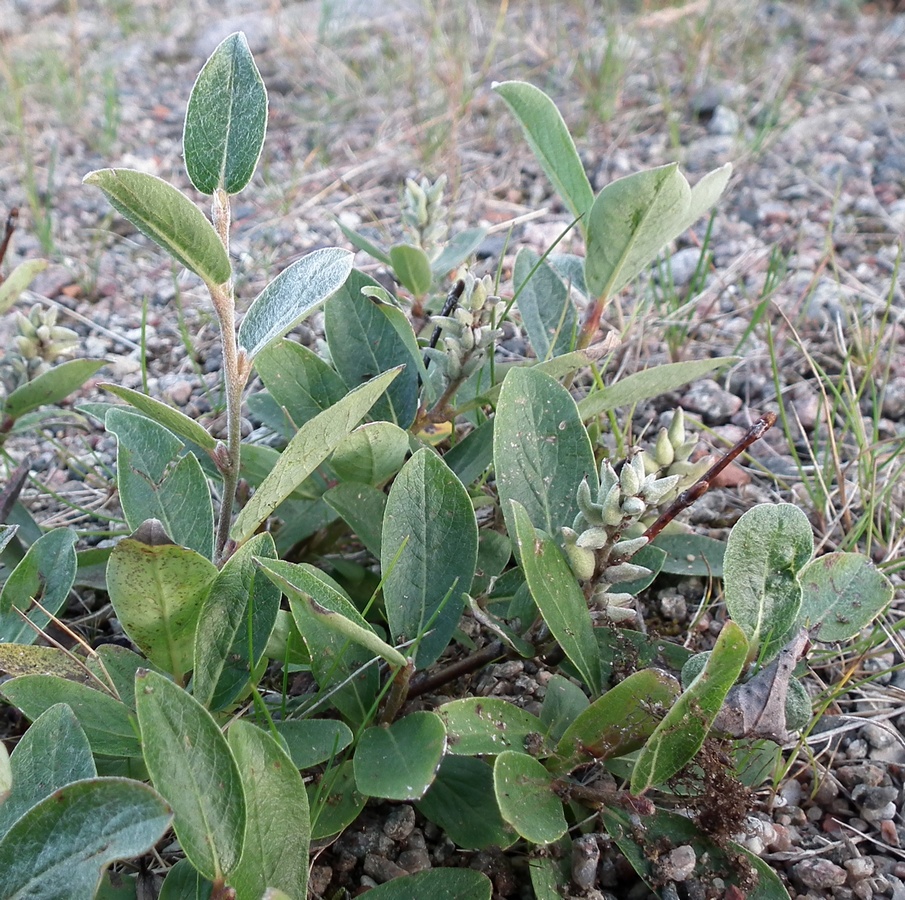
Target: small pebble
(382, 869)
(819, 873)
(678, 865)
(414, 860)
(399, 823)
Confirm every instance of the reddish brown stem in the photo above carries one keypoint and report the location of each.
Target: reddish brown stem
(702, 485)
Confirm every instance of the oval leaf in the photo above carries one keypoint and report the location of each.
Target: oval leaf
(767, 548)
(168, 217)
(234, 624)
(225, 120)
(558, 597)
(172, 419)
(192, 767)
(412, 267)
(543, 301)
(49, 387)
(633, 217)
(461, 801)
(334, 801)
(61, 845)
(298, 380)
(364, 342)
(278, 830)
(617, 723)
(648, 384)
(46, 573)
(313, 741)
(371, 454)
(541, 451)
(53, 752)
(487, 725)
(841, 593)
(429, 548)
(157, 481)
(551, 144)
(400, 761)
(314, 442)
(682, 731)
(107, 723)
(528, 802)
(157, 590)
(294, 294)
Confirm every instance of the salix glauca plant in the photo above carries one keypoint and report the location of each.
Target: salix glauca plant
(193, 726)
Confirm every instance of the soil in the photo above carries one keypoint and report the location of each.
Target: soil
(807, 100)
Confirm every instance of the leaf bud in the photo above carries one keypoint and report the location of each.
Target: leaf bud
(627, 549)
(594, 538)
(612, 511)
(664, 452)
(633, 507)
(629, 480)
(582, 561)
(676, 430)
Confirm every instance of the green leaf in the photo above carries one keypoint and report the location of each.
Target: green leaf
(108, 724)
(681, 732)
(360, 242)
(541, 451)
(169, 218)
(558, 597)
(185, 882)
(471, 456)
(767, 548)
(692, 554)
(313, 741)
(438, 884)
(298, 380)
(157, 589)
(18, 280)
(191, 765)
(429, 548)
(53, 752)
(617, 723)
(45, 574)
(551, 144)
(648, 384)
(172, 419)
(225, 120)
(308, 585)
(234, 625)
(292, 296)
(156, 481)
(841, 593)
(461, 801)
(50, 387)
(363, 343)
(24, 659)
(334, 657)
(371, 454)
(571, 270)
(116, 667)
(642, 845)
(361, 507)
(634, 217)
(412, 267)
(458, 249)
(528, 802)
(547, 312)
(315, 440)
(60, 846)
(478, 726)
(563, 702)
(334, 802)
(400, 761)
(278, 830)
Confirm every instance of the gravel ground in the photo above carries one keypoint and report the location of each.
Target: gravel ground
(807, 101)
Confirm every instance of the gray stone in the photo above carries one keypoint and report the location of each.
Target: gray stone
(819, 873)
